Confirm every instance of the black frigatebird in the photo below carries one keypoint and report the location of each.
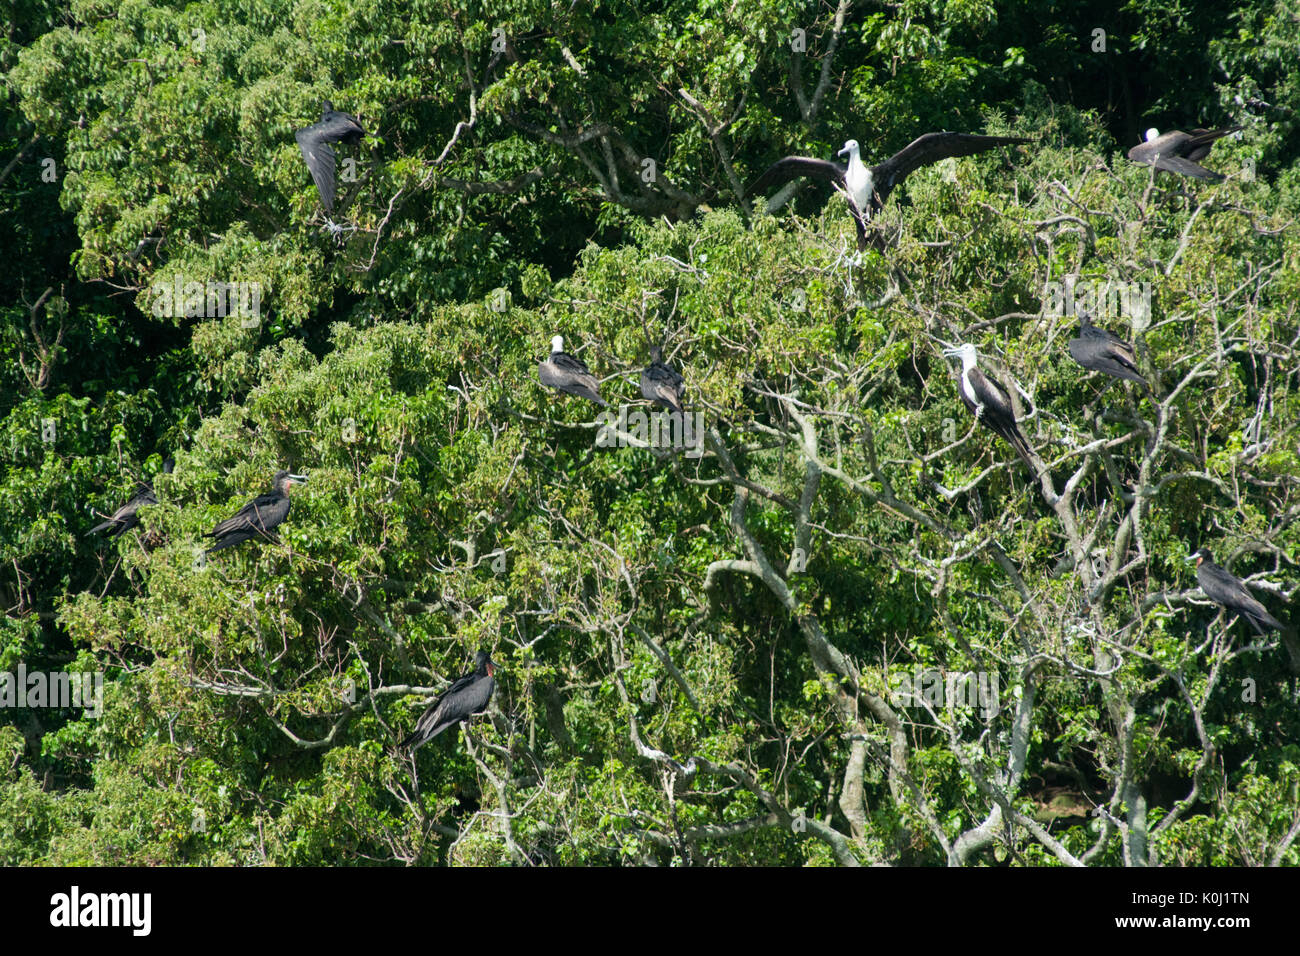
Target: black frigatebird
(561, 370)
(125, 517)
(466, 696)
(259, 517)
(661, 384)
(1179, 152)
(315, 140)
(867, 187)
(1103, 351)
(1231, 593)
(989, 401)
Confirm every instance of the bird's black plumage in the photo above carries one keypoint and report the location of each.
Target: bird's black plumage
(1103, 351)
(1230, 592)
(867, 188)
(125, 517)
(661, 384)
(990, 403)
(562, 371)
(1179, 152)
(466, 696)
(927, 149)
(315, 142)
(257, 518)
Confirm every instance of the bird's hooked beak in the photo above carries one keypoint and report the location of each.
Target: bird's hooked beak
(297, 479)
(1194, 556)
(952, 351)
(846, 151)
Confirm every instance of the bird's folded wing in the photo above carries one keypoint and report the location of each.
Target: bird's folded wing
(319, 157)
(1177, 164)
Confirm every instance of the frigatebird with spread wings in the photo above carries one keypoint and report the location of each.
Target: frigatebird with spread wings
(867, 187)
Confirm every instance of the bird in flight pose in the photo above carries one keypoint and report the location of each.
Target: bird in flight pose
(867, 187)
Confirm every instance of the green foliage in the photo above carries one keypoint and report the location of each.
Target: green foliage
(698, 657)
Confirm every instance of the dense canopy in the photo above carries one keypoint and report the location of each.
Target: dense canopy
(824, 615)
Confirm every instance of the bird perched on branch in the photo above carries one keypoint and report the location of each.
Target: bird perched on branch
(259, 517)
(468, 695)
(1179, 152)
(1230, 592)
(562, 371)
(125, 517)
(989, 401)
(1103, 351)
(661, 384)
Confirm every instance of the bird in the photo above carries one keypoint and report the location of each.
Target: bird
(259, 517)
(562, 371)
(989, 401)
(1103, 351)
(867, 187)
(661, 384)
(125, 517)
(466, 696)
(315, 140)
(1230, 592)
(1179, 152)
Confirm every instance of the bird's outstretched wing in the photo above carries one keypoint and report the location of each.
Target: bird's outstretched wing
(930, 148)
(1198, 142)
(790, 167)
(1177, 164)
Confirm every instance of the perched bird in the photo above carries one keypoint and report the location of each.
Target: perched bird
(315, 140)
(259, 517)
(867, 187)
(1229, 591)
(989, 401)
(561, 370)
(1103, 351)
(661, 384)
(466, 696)
(125, 517)
(1179, 152)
